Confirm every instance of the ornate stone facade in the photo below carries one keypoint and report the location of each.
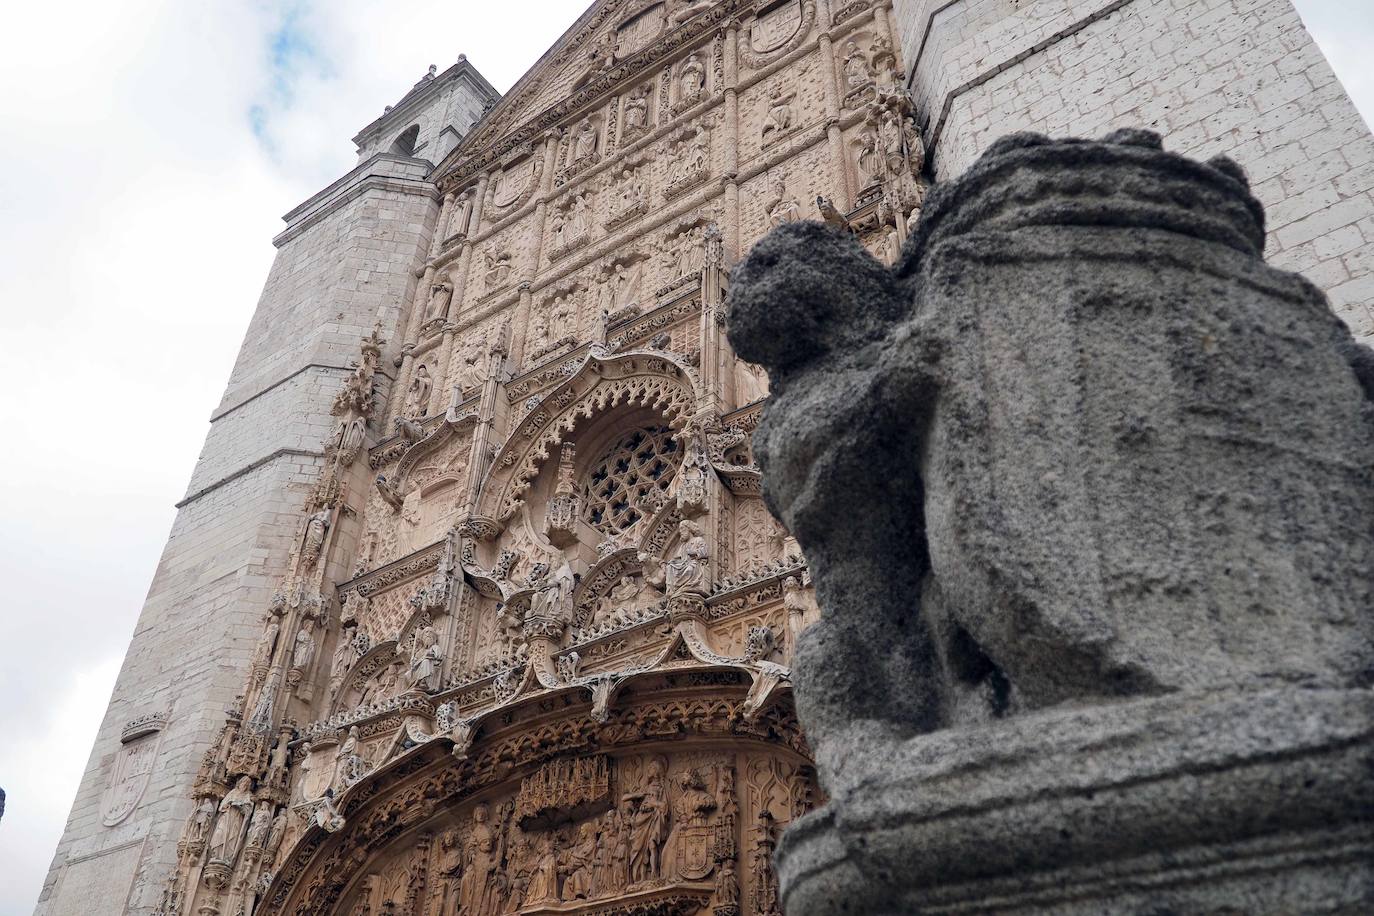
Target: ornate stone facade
(522, 640)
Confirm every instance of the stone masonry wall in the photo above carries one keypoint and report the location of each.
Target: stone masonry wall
(346, 259)
(1240, 77)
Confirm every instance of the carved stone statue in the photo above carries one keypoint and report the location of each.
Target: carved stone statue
(581, 863)
(440, 294)
(685, 571)
(637, 111)
(417, 398)
(691, 81)
(448, 869)
(313, 541)
(234, 811)
(649, 825)
(199, 824)
(1082, 545)
(553, 598)
(857, 71)
(470, 370)
(260, 825)
(349, 766)
(262, 652)
(426, 661)
(781, 207)
(691, 254)
(304, 650)
(779, 118)
(498, 270)
(584, 140)
(482, 859)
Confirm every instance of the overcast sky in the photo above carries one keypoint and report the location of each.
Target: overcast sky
(147, 151)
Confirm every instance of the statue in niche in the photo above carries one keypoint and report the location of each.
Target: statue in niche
(632, 191)
(765, 879)
(348, 438)
(313, 541)
(417, 398)
(561, 314)
(440, 294)
(234, 811)
(779, 118)
(346, 652)
(498, 270)
(691, 254)
(685, 571)
(558, 228)
(448, 865)
(462, 213)
(200, 821)
(304, 650)
(869, 162)
(553, 598)
(481, 866)
(727, 887)
(691, 81)
(695, 155)
(584, 140)
(580, 866)
(580, 216)
(539, 332)
(426, 661)
(470, 373)
(276, 833)
(637, 111)
(259, 826)
(781, 207)
(857, 72)
(262, 652)
(349, 765)
(648, 827)
(883, 63)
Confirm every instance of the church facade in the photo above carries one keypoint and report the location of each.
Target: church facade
(474, 605)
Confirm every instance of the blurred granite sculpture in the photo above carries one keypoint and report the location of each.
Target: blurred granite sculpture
(1086, 488)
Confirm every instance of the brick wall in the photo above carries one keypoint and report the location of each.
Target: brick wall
(1240, 77)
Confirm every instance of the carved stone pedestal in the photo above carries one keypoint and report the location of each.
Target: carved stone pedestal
(1224, 803)
(1086, 490)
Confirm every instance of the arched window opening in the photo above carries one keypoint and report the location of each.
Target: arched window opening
(405, 143)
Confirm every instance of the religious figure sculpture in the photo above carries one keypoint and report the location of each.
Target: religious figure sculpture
(482, 860)
(470, 372)
(349, 766)
(685, 572)
(426, 662)
(498, 270)
(857, 72)
(581, 863)
(584, 140)
(440, 294)
(869, 162)
(327, 816)
(313, 540)
(260, 824)
(1072, 590)
(304, 650)
(648, 828)
(579, 219)
(234, 811)
(781, 207)
(262, 652)
(691, 81)
(417, 398)
(637, 111)
(691, 254)
(448, 866)
(553, 598)
(200, 821)
(779, 118)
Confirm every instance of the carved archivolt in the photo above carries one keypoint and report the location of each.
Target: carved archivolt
(656, 380)
(683, 764)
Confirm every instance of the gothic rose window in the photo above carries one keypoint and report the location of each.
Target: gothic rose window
(629, 479)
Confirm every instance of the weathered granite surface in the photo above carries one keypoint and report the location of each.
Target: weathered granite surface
(1086, 489)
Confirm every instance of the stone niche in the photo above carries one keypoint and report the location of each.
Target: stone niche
(1085, 487)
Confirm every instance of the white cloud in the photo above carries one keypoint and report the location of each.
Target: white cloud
(138, 204)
